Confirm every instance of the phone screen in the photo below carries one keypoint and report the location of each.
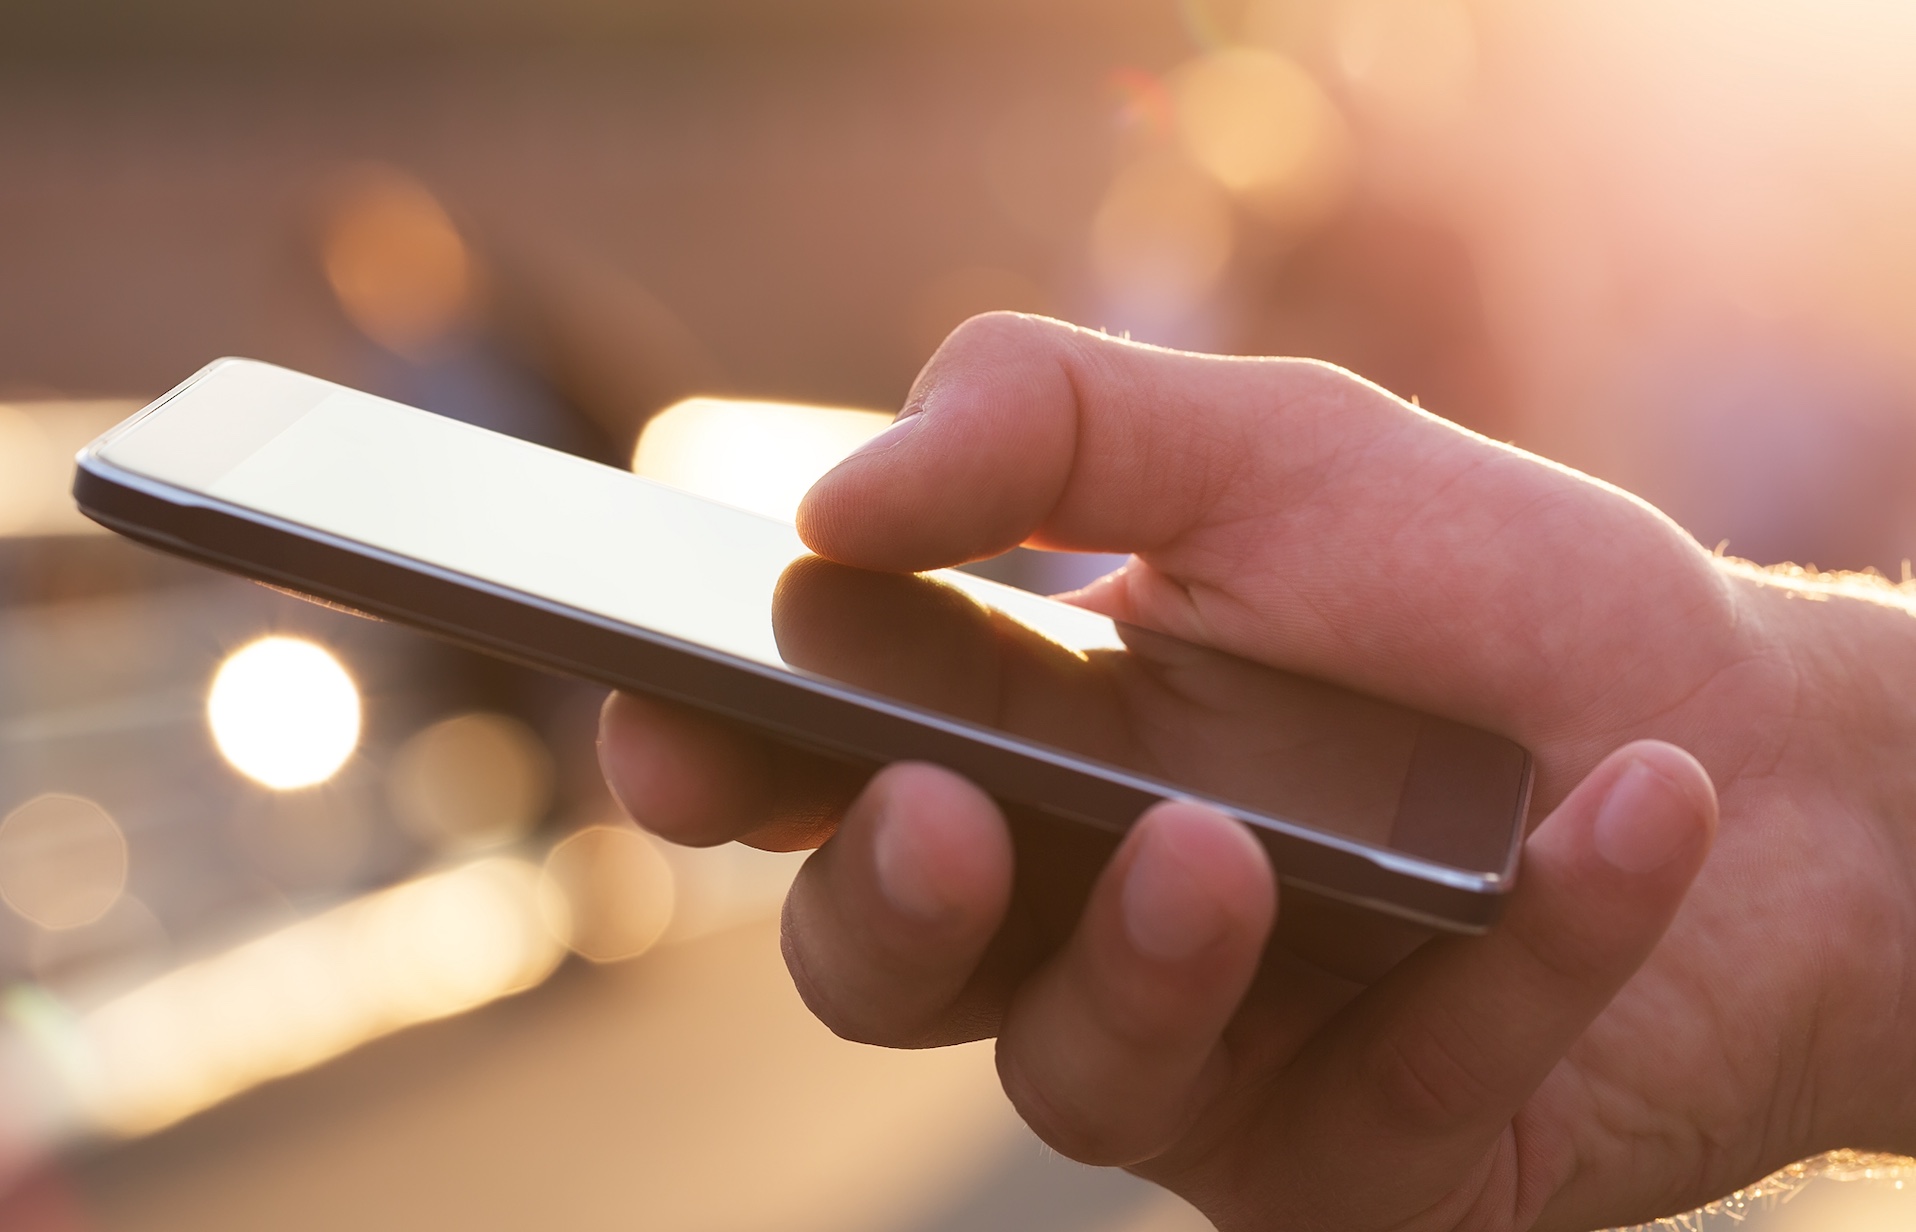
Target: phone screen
(610, 543)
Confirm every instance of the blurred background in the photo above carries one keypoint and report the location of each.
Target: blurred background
(308, 921)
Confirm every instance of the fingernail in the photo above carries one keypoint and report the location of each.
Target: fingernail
(1643, 822)
(891, 436)
(904, 873)
(1167, 913)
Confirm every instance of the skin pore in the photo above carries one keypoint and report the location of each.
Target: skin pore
(1705, 972)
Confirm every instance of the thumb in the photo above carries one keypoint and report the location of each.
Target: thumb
(1288, 512)
(1402, 1097)
(1025, 428)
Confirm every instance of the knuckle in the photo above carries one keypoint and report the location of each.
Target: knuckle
(849, 1018)
(987, 328)
(1072, 1131)
(860, 1001)
(1569, 957)
(1427, 1083)
(1101, 1127)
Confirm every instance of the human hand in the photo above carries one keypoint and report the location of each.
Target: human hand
(1576, 1067)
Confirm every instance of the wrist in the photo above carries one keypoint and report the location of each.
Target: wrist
(1842, 797)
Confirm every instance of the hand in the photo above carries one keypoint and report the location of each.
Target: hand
(1615, 1050)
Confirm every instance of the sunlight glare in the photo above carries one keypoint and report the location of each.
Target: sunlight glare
(284, 713)
(761, 456)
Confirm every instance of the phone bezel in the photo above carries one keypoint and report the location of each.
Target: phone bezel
(819, 714)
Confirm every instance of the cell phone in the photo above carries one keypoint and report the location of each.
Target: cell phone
(553, 560)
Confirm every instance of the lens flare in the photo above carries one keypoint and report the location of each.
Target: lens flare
(284, 713)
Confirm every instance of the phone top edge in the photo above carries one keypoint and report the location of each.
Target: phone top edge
(93, 447)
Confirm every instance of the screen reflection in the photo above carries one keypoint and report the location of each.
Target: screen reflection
(1209, 722)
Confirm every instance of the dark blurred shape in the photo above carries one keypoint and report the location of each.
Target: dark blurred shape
(407, 280)
(93, 27)
(396, 262)
(44, 1202)
(605, 344)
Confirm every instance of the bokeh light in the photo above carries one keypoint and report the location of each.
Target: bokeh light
(284, 712)
(396, 262)
(761, 456)
(472, 780)
(608, 892)
(63, 861)
(1259, 124)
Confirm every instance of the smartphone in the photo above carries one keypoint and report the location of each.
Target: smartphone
(553, 560)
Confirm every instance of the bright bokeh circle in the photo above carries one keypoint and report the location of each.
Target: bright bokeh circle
(284, 712)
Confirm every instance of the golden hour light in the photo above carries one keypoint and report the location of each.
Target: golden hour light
(761, 456)
(63, 861)
(396, 262)
(284, 712)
